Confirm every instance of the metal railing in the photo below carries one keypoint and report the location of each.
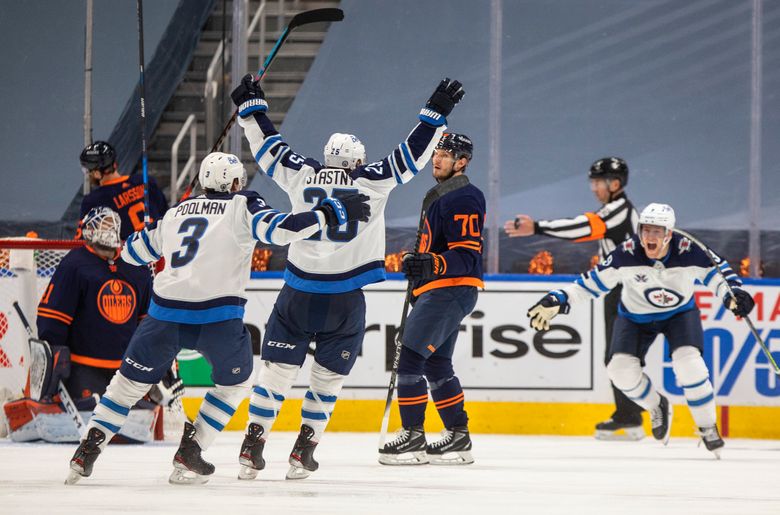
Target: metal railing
(189, 167)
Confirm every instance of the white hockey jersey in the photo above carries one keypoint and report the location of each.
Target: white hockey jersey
(207, 242)
(653, 289)
(349, 257)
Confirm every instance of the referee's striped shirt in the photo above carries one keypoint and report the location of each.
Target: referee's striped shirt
(611, 225)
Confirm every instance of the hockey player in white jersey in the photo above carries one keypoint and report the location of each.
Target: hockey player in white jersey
(322, 300)
(198, 303)
(657, 269)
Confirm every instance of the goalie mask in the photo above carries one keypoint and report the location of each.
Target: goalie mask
(100, 228)
(344, 151)
(219, 170)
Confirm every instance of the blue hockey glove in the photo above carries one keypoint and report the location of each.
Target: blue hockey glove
(423, 266)
(249, 97)
(346, 208)
(742, 305)
(447, 95)
(545, 310)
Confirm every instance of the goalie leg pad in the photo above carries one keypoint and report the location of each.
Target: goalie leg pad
(320, 399)
(114, 407)
(625, 372)
(22, 416)
(693, 376)
(273, 384)
(217, 408)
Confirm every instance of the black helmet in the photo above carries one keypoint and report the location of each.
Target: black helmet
(459, 144)
(610, 168)
(98, 155)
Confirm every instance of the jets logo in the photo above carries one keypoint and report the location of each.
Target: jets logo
(640, 278)
(628, 246)
(663, 297)
(116, 301)
(685, 245)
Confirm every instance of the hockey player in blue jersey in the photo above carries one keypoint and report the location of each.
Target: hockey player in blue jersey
(446, 272)
(657, 269)
(198, 303)
(122, 193)
(88, 313)
(322, 300)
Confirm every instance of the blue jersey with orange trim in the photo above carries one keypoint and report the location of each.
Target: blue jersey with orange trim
(125, 195)
(93, 306)
(453, 230)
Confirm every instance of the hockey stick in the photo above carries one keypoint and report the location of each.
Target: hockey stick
(43, 346)
(434, 194)
(330, 14)
(142, 94)
(715, 260)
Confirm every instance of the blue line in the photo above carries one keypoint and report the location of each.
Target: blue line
(259, 390)
(210, 421)
(313, 416)
(148, 244)
(595, 276)
(408, 158)
(323, 398)
(261, 412)
(223, 406)
(581, 283)
(135, 255)
(110, 427)
(274, 222)
(113, 406)
(696, 384)
(702, 401)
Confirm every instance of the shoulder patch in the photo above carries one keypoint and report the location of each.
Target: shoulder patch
(628, 246)
(684, 246)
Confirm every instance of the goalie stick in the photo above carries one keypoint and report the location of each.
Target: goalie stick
(330, 14)
(715, 260)
(43, 351)
(434, 194)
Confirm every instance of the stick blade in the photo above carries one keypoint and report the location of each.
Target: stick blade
(316, 15)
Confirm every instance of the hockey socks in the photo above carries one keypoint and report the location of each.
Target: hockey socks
(217, 408)
(264, 406)
(316, 411)
(412, 400)
(111, 412)
(693, 376)
(447, 395)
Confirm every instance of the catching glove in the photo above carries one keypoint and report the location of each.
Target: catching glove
(546, 309)
(346, 208)
(741, 303)
(423, 266)
(249, 97)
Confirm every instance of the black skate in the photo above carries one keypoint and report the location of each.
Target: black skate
(189, 468)
(302, 462)
(251, 456)
(408, 448)
(619, 428)
(454, 448)
(84, 458)
(661, 420)
(712, 440)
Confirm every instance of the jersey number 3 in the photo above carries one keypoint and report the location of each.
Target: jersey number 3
(193, 229)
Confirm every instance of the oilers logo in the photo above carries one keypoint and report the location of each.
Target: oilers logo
(116, 301)
(663, 297)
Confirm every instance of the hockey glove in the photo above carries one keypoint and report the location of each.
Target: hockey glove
(249, 97)
(423, 266)
(741, 303)
(167, 390)
(447, 95)
(346, 208)
(545, 310)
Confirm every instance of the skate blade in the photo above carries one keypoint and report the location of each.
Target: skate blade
(452, 458)
(297, 473)
(247, 473)
(73, 477)
(628, 434)
(406, 458)
(186, 477)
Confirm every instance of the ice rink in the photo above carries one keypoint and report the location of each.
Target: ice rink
(512, 474)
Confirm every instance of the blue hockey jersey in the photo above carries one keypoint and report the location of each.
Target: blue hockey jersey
(93, 306)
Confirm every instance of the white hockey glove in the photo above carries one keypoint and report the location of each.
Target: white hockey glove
(547, 308)
(167, 390)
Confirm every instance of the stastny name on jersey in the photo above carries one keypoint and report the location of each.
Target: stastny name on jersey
(328, 176)
(201, 207)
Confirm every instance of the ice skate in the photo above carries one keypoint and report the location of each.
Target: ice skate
(408, 448)
(189, 468)
(302, 462)
(251, 456)
(616, 428)
(661, 420)
(84, 458)
(712, 440)
(454, 448)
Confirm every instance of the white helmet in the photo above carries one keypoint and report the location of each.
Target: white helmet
(101, 226)
(344, 151)
(658, 214)
(219, 170)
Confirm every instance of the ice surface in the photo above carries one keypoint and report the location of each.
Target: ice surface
(512, 474)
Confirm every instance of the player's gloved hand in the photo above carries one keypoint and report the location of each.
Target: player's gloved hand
(741, 303)
(423, 266)
(249, 97)
(545, 310)
(346, 208)
(448, 93)
(167, 390)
